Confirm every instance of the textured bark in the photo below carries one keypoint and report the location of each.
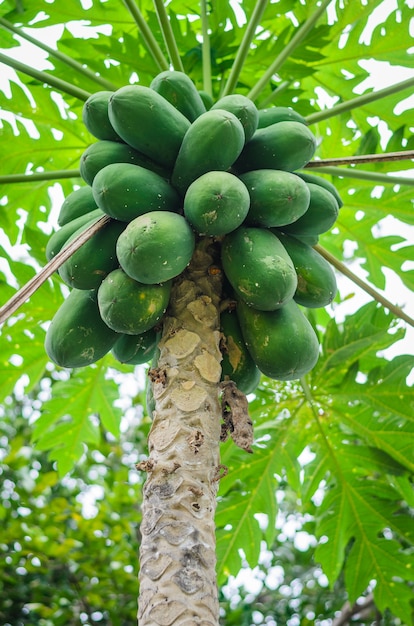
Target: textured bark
(177, 554)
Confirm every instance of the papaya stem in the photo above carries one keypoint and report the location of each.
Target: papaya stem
(152, 44)
(244, 47)
(43, 77)
(341, 267)
(205, 49)
(403, 155)
(29, 178)
(365, 175)
(58, 55)
(366, 98)
(168, 35)
(20, 297)
(296, 40)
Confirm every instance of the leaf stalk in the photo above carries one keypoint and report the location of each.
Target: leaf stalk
(341, 267)
(374, 177)
(168, 35)
(244, 48)
(296, 40)
(205, 49)
(44, 77)
(20, 297)
(367, 98)
(152, 44)
(37, 176)
(58, 55)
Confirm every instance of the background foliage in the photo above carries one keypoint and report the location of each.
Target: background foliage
(337, 451)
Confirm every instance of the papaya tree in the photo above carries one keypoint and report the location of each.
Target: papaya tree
(199, 177)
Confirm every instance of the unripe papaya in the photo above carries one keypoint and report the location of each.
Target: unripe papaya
(282, 146)
(180, 91)
(276, 197)
(206, 98)
(60, 237)
(316, 278)
(156, 247)
(103, 153)
(258, 268)
(78, 202)
(125, 191)
(77, 336)
(320, 216)
(237, 364)
(95, 116)
(323, 182)
(216, 203)
(243, 108)
(88, 266)
(130, 307)
(272, 115)
(148, 122)
(213, 142)
(136, 349)
(282, 343)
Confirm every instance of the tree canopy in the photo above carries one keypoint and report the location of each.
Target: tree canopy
(333, 451)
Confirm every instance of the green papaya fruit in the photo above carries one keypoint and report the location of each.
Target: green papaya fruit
(213, 142)
(125, 191)
(237, 364)
(156, 247)
(276, 197)
(60, 237)
(216, 203)
(77, 336)
(323, 182)
(206, 98)
(243, 108)
(282, 343)
(316, 278)
(103, 153)
(87, 267)
(321, 214)
(148, 122)
(282, 146)
(95, 116)
(136, 349)
(130, 307)
(272, 115)
(258, 268)
(180, 91)
(78, 202)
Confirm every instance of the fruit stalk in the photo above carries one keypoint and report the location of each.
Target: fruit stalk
(177, 554)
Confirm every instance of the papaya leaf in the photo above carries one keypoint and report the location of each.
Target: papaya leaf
(69, 419)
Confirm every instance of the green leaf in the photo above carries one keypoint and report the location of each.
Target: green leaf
(67, 423)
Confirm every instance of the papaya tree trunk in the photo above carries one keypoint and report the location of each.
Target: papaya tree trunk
(177, 553)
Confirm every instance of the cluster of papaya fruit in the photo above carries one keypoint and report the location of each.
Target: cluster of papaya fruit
(170, 167)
